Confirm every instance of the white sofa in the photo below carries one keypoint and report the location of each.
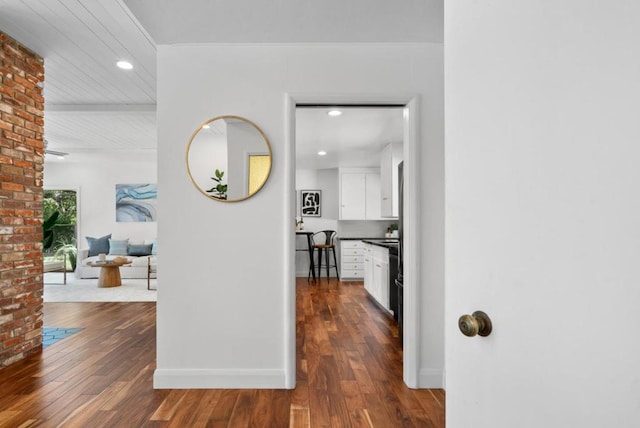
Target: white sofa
(138, 267)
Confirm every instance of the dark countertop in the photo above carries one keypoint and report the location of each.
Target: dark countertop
(390, 243)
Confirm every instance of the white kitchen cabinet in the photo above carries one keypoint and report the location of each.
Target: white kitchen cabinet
(390, 157)
(372, 200)
(352, 195)
(376, 273)
(351, 259)
(359, 194)
(368, 268)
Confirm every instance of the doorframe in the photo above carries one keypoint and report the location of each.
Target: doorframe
(411, 224)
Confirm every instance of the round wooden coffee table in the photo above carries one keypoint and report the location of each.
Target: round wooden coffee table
(109, 273)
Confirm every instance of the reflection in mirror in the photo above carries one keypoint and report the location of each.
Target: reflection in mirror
(229, 158)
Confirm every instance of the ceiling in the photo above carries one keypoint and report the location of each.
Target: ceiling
(94, 108)
(291, 21)
(353, 139)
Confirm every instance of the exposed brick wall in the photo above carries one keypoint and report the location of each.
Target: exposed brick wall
(21, 165)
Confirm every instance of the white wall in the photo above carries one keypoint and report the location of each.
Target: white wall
(96, 182)
(221, 311)
(543, 212)
(364, 228)
(325, 180)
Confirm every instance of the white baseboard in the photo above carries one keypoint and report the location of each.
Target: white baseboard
(431, 378)
(218, 379)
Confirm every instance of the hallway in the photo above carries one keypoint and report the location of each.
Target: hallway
(349, 373)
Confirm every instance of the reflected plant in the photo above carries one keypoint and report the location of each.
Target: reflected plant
(220, 190)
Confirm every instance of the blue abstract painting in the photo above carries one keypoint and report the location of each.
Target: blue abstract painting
(136, 202)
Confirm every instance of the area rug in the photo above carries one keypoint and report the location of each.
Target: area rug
(87, 290)
(51, 335)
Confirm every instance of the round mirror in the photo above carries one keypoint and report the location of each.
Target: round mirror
(229, 158)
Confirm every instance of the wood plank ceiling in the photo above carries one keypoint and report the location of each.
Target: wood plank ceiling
(91, 106)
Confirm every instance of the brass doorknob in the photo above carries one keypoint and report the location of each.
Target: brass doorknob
(477, 323)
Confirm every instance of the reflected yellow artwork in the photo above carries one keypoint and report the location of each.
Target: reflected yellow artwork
(259, 168)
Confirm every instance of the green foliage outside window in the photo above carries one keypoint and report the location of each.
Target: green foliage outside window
(64, 236)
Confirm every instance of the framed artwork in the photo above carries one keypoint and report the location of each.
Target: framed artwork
(136, 202)
(310, 203)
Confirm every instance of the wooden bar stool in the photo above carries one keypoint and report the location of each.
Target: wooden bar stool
(324, 241)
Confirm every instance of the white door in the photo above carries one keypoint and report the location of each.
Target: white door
(543, 212)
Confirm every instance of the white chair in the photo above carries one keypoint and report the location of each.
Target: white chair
(57, 266)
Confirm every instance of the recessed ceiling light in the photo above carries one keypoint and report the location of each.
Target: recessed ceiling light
(206, 126)
(125, 65)
(322, 153)
(334, 112)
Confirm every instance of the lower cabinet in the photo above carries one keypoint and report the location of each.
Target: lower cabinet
(376, 273)
(351, 259)
(368, 268)
(381, 282)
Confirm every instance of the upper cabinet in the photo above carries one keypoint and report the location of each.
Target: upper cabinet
(359, 194)
(390, 157)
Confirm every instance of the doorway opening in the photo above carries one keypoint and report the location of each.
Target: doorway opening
(323, 151)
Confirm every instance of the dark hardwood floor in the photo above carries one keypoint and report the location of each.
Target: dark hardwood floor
(349, 373)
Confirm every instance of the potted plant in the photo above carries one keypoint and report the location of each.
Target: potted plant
(47, 230)
(68, 252)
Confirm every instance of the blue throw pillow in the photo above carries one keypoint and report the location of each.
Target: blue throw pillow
(154, 248)
(140, 250)
(98, 245)
(118, 247)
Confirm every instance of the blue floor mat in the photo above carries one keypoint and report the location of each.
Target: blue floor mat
(51, 335)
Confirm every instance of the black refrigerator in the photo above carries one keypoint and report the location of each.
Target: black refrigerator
(399, 279)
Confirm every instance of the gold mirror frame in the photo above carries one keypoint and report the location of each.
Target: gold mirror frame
(258, 162)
